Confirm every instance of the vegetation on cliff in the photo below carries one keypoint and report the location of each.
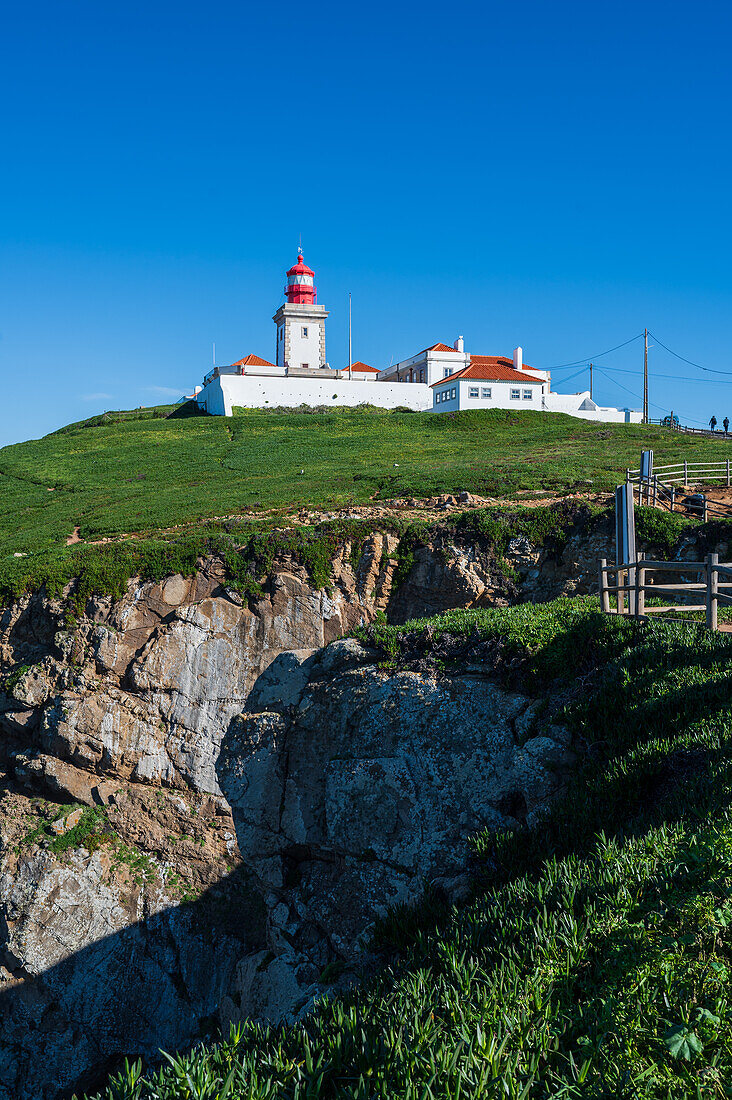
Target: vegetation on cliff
(147, 472)
(251, 546)
(593, 959)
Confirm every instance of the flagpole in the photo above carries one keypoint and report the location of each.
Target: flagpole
(350, 353)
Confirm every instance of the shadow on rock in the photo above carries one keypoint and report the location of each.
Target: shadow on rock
(67, 1019)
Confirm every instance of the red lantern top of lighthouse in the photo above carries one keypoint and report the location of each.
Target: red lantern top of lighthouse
(301, 289)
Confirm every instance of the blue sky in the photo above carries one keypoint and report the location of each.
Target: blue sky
(554, 175)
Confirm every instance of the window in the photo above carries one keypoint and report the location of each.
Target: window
(453, 393)
(421, 375)
(515, 395)
(528, 395)
(447, 372)
(485, 393)
(305, 331)
(305, 365)
(473, 391)
(438, 397)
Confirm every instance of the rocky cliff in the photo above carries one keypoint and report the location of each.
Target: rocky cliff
(205, 805)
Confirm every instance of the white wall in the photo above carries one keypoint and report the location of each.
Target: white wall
(260, 392)
(212, 399)
(434, 364)
(304, 349)
(500, 395)
(571, 403)
(500, 398)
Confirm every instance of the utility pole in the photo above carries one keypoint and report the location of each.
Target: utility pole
(645, 376)
(590, 381)
(350, 353)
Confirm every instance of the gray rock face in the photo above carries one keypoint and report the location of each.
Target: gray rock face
(362, 790)
(263, 796)
(91, 975)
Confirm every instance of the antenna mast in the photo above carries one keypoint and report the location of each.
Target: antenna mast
(645, 376)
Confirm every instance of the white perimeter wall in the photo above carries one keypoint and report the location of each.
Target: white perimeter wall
(570, 402)
(258, 392)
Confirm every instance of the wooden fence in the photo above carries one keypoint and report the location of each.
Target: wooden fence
(661, 489)
(687, 473)
(633, 579)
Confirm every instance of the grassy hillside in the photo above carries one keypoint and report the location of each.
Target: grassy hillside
(142, 474)
(146, 472)
(594, 959)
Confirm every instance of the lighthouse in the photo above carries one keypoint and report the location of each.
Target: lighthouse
(300, 321)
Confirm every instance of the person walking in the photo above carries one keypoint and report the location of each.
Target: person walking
(713, 423)
(726, 425)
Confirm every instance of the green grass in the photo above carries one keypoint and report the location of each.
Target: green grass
(146, 472)
(92, 831)
(594, 959)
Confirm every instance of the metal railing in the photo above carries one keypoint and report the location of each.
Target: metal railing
(673, 424)
(632, 580)
(660, 490)
(680, 472)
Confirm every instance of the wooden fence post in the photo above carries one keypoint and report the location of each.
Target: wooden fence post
(712, 589)
(686, 472)
(728, 473)
(604, 594)
(705, 509)
(655, 490)
(673, 498)
(640, 580)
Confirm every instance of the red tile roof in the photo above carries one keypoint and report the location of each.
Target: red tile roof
(492, 368)
(439, 347)
(253, 361)
(363, 367)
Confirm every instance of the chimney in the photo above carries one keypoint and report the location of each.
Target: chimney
(458, 345)
(518, 358)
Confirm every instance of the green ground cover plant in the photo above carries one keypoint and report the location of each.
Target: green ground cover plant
(148, 470)
(594, 958)
(250, 547)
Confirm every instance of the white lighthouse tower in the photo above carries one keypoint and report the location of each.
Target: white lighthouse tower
(300, 321)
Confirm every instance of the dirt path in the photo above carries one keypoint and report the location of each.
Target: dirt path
(429, 509)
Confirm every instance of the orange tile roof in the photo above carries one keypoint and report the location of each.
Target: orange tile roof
(439, 347)
(253, 361)
(359, 366)
(492, 368)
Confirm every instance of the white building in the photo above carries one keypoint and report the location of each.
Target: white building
(462, 381)
(440, 378)
(300, 374)
(430, 365)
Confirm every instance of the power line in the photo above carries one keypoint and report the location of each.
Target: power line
(709, 370)
(582, 362)
(637, 396)
(669, 377)
(575, 375)
(600, 370)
